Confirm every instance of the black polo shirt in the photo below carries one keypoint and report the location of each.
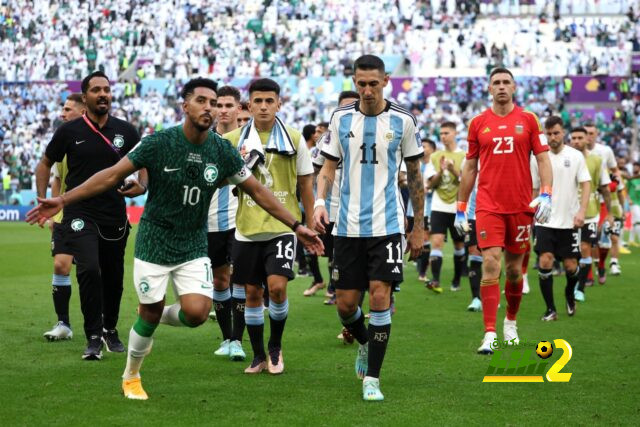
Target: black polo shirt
(88, 153)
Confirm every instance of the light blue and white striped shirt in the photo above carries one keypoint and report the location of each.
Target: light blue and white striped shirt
(371, 149)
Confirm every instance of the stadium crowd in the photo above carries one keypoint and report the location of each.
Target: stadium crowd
(62, 40)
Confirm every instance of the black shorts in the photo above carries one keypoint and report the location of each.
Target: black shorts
(220, 244)
(470, 239)
(562, 243)
(358, 260)
(327, 240)
(589, 233)
(58, 240)
(410, 220)
(616, 227)
(254, 261)
(443, 221)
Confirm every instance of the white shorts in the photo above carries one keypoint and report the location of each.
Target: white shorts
(191, 277)
(635, 214)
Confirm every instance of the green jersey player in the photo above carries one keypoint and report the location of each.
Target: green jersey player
(186, 164)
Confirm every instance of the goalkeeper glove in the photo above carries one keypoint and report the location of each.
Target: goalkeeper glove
(461, 224)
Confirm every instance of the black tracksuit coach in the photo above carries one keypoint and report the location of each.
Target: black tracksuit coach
(95, 229)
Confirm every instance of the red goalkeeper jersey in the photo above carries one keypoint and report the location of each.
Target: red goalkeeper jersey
(503, 146)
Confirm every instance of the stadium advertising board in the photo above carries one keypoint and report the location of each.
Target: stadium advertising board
(13, 212)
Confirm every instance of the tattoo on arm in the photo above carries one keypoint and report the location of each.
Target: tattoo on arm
(416, 189)
(328, 184)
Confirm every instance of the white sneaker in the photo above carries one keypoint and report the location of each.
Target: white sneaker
(510, 332)
(236, 352)
(614, 269)
(60, 331)
(224, 349)
(525, 285)
(487, 343)
(213, 316)
(476, 305)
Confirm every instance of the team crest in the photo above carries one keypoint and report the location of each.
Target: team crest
(210, 173)
(144, 287)
(483, 235)
(77, 224)
(388, 136)
(118, 141)
(567, 163)
(519, 129)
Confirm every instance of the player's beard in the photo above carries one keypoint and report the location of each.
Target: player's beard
(101, 109)
(202, 127)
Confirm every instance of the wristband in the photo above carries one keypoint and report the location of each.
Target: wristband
(295, 225)
(319, 202)
(545, 190)
(461, 206)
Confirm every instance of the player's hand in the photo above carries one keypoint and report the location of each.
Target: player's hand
(578, 220)
(45, 209)
(542, 203)
(415, 240)
(132, 188)
(320, 219)
(310, 240)
(460, 223)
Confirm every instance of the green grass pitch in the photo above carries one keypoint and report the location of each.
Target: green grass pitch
(431, 374)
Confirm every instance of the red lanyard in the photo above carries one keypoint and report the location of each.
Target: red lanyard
(93, 128)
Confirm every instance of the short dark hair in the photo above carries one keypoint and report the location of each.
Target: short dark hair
(229, 91)
(244, 106)
(589, 125)
(449, 125)
(552, 121)
(308, 131)
(369, 62)
(500, 70)
(264, 85)
(579, 129)
(348, 94)
(324, 125)
(431, 142)
(84, 86)
(75, 97)
(191, 85)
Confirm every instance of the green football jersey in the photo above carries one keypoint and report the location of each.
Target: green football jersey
(633, 188)
(182, 179)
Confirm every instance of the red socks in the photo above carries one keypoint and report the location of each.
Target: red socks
(603, 258)
(513, 294)
(490, 296)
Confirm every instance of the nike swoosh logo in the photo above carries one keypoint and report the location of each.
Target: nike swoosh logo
(79, 142)
(166, 169)
(121, 228)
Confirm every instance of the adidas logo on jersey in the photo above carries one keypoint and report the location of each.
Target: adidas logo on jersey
(350, 134)
(395, 270)
(486, 130)
(286, 265)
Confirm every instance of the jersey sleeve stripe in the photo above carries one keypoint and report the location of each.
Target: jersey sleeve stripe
(344, 108)
(400, 110)
(329, 156)
(417, 156)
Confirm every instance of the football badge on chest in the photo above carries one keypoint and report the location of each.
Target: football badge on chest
(210, 173)
(388, 136)
(519, 128)
(118, 141)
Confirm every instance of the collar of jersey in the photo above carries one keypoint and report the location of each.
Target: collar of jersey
(386, 108)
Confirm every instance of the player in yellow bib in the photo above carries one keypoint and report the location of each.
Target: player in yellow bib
(445, 183)
(599, 184)
(265, 249)
(72, 109)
